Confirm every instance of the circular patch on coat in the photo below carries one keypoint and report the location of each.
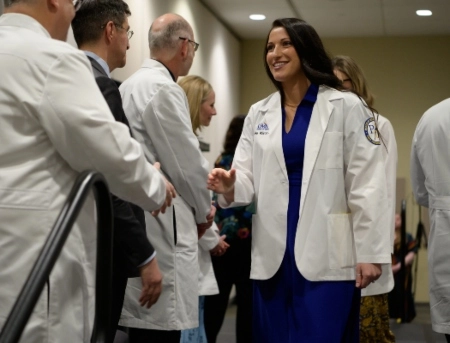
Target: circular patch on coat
(371, 131)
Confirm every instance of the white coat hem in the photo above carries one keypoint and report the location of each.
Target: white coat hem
(140, 324)
(441, 328)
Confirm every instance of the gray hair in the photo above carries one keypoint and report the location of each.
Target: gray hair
(168, 36)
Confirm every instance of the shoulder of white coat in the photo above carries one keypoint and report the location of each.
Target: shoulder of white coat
(384, 124)
(435, 114)
(68, 54)
(265, 103)
(350, 99)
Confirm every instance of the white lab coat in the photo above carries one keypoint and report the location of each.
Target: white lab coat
(430, 178)
(385, 282)
(158, 113)
(207, 282)
(343, 198)
(54, 124)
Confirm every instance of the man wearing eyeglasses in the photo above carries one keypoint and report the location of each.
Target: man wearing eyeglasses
(102, 31)
(158, 112)
(54, 124)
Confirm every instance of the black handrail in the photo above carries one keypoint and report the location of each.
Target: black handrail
(31, 291)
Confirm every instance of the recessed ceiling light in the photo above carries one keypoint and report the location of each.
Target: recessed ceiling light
(257, 16)
(424, 13)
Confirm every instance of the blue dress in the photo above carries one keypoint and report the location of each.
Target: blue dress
(287, 307)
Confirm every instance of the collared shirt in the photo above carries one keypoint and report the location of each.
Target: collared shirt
(99, 60)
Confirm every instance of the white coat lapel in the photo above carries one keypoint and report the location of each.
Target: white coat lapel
(318, 124)
(273, 119)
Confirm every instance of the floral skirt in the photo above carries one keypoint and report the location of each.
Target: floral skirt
(374, 320)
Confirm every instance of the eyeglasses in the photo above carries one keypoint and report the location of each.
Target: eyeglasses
(130, 33)
(196, 45)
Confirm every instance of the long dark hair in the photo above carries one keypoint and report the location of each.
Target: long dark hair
(233, 134)
(315, 62)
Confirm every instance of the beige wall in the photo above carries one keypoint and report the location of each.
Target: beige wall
(407, 74)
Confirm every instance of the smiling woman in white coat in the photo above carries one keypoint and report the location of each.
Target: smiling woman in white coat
(310, 159)
(430, 179)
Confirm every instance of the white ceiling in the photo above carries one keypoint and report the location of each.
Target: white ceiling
(336, 18)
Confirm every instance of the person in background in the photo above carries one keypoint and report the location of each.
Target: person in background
(319, 234)
(233, 268)
(430, 170)
(102, 31)
(158, 112)
(374, 312)
(201, 98)
(55, 124)
(398, 307)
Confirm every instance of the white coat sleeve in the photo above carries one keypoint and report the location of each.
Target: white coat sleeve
(365, 183)
(80, 125)
(166, 119)
(244, 190)
(210, 239)
(391, 159)
(417, 175)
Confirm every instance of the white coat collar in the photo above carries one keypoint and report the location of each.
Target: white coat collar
(154, 64)
(271, 107)
(271, 110)
(23, 21)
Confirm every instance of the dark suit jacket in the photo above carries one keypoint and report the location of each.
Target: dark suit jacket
(131, 246)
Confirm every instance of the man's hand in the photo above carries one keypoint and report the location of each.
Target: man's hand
(221, 247)
(170, 194)
(201, 228)
(367, 273)
(211, 215)
(151, 283)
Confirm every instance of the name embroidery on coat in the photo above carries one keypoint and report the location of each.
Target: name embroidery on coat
(262, 129)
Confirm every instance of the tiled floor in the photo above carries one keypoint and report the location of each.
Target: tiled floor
(418, 331)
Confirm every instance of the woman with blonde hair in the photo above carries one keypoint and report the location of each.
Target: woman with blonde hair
(201, 98)
(374, 312)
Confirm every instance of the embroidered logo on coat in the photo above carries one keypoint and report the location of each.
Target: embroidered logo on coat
(371, 131)
(262, 129)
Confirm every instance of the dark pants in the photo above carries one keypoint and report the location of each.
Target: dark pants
(233, 268)
(153, 336)
(447, 337)
(119, 284)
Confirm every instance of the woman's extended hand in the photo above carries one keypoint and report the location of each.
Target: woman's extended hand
(222, 181)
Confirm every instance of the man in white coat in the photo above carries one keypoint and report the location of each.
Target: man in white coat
(158, 113)
(54, 124)
(430, 178)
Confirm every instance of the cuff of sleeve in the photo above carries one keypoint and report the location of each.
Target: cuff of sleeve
(147, 260)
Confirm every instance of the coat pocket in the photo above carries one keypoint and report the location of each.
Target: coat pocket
(340, 241)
